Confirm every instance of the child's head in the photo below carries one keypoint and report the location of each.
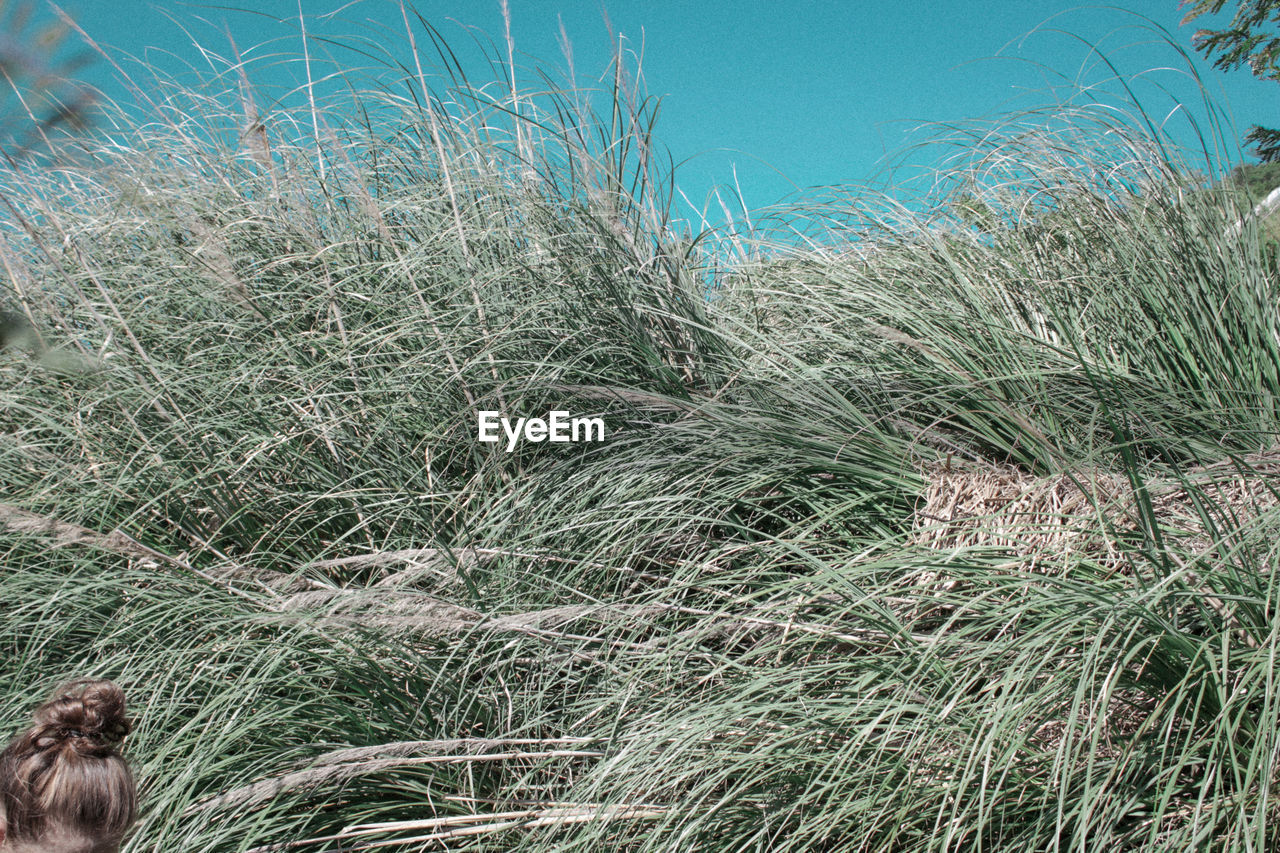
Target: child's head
(64, 787)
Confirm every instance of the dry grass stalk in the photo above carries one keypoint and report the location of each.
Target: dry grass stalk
(460, 826)
(62, 534)
(342, 764)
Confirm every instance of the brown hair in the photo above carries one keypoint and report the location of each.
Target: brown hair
(64, 777)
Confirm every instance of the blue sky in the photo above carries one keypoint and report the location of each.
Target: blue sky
(779, 96)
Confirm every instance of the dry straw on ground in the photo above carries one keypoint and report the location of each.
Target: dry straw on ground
(1046, 520)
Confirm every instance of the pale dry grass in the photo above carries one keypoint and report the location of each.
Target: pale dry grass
(1049, 520)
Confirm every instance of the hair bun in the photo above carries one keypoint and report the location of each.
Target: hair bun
(89, 713)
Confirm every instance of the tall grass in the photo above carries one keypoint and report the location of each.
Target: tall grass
(241, 478)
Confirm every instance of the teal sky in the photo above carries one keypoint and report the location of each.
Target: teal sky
(786, 96)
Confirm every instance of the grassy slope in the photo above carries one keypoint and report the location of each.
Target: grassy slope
(717, 630)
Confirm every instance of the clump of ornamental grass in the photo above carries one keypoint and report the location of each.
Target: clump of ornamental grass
(962, 536)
